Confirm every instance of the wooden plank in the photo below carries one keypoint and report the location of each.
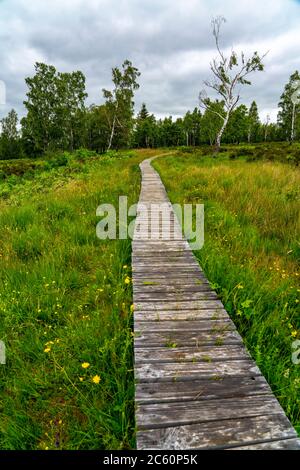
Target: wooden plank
(151, 247)
(156, 287)
(222, 434)
(157, 263)
(206, 354)
(187, 315)
(170, 289)
(174, 245)
(285, 444)
(162, 415)
(162, 259)
(172, 276)
(185, 338)
(174, 273)
(177, 371)
(201, 389)
(214, 326)
(165, 269)
(168, 284)
(177, 295)
(145, 236)
(163, 255)
(148, 270)
(179, 305)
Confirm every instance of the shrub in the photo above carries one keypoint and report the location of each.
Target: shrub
(82, 154)
(56, 162)
(245, 151)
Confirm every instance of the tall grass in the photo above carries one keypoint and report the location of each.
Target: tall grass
(251, 253)
(65, 309)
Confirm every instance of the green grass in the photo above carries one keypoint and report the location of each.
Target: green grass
(63, 303)
(251, 252)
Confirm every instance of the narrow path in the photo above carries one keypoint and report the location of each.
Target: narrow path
(196, 385)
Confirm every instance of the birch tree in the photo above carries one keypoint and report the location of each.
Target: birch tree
(119, 101)
(228, 73)
(289, 107)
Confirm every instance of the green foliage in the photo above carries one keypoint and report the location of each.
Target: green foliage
(192, 127)
(54, 105)
(64, 303)
(119, 104)
(10, 142)
(253, 123)
(145, 131)
(285, 115)
(212, 121)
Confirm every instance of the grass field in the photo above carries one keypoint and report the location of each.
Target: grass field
(66, 301)
(65, 305)
(251, 252)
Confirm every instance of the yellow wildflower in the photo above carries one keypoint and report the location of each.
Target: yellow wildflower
(85, 365)
(127, 280)
(294, 333)
(46, 350)
(81, 379)
(96, 379)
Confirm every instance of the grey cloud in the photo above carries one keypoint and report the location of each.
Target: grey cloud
(169, 41)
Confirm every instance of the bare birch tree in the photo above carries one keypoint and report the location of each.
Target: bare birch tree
(228, 72)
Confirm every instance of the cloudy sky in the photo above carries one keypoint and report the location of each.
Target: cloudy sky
(170, 42)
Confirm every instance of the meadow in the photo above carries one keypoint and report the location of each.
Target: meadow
(251, 251)
(66, 299)
(65, 304)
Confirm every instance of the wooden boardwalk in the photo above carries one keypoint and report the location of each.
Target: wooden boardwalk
(196, 385)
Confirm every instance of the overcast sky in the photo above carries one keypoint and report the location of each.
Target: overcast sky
(170, 42)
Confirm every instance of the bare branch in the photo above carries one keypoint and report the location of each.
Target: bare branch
(216, 26)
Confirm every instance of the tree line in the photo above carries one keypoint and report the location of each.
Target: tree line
(58, 119)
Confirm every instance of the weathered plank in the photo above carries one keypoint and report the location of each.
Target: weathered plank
(187, 315)
(176, 371)
(173, 276)
(178, 305)
(285, 444)
(220, 434)
(201, 389)
(156, 287)
(190, 354)
(185, 338)
(177, 295)
(214, 326)
(162, 415)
